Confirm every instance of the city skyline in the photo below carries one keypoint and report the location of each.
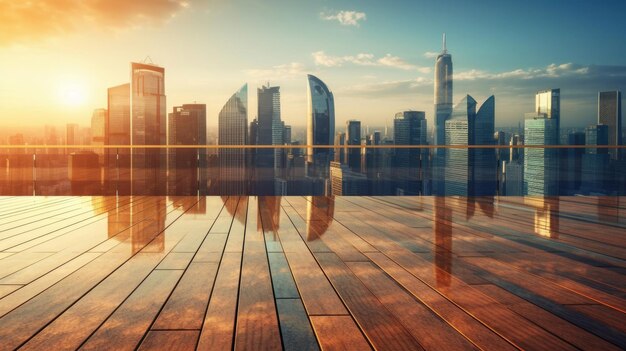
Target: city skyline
(369, 83)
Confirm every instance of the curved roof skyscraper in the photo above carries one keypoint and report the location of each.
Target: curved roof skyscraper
(233, 130)
(320, 125)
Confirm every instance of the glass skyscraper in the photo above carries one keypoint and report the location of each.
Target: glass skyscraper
(187, 173)
(610, 115)
(443, 109)
(353, 137)
(270, 132)
(541, 165)
(320, 125)
(409, 128)
(117, 132)
(233, 130)
(148, 127)
(548, 103)
(470, 172)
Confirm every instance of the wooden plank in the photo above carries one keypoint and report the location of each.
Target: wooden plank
(170, 340)
(186, 307)
(297, 333)
(383, 330)
(124, 329)
(282, 280)
(338, 333)
(219, 323)
(257, 322)
(565, 330)
(432, 332)
(317, 293)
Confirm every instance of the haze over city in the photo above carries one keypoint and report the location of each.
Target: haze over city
(58, 58)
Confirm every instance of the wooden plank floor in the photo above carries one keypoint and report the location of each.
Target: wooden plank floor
(312, 273)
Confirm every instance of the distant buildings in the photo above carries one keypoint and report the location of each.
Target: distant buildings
(233, 130)
(98, 131)
(541, 165)
(353, 137)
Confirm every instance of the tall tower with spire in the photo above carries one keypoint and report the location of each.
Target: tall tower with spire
(443, 92)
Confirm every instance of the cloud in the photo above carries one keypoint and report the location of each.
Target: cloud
(345, 18)
(388, 88)
(551, 71)
(285, 71)
(431, 54)
(320, 58)
(40, 19)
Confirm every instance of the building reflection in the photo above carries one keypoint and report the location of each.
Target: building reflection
(443, 242)
(484, 203)
(319, 215)
(546, 222)
(268, 214)
(236, 207)
(608, 209)
(140, 219)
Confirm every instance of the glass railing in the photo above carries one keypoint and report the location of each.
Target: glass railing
(382, 170)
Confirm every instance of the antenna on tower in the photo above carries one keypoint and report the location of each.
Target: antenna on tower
(445, 50)
(147, 60)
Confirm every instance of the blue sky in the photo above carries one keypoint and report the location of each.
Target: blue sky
(377, 56)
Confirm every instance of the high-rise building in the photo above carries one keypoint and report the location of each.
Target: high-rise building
(270, 132)
(148, 127)
(340, 141)
(548, 103)
(320, 126)
(353, 137)
(98, 131)
(443, 92)
(187, 167)
(596, 160)
(470, 171)
(610, 114)
(409, 128)
(72, 135)
(346, 182)
(233, 130)
(117, 126)
(541, 165)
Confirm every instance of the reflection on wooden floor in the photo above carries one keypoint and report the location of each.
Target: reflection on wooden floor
(306, 273)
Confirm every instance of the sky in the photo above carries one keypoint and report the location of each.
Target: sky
(58, 57)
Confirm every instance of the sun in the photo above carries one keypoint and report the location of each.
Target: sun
(72, 94)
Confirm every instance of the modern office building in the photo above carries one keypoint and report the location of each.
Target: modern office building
(410, 128)
(233, 130)
(320, 126)
(610, 115)
(98, 131)
(340, 142)
(353, 137)
(187, 173)
(148, 127)
(541, 165)
(596, 160)
(117, 125)
(270, 132)
(470, 171)
(548, 103)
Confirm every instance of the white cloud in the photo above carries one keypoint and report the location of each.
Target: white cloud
(431, 54)
(285, 71)
(551, 71)
(365, 59)
(345, 18)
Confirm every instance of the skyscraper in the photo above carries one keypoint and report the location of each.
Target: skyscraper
(320, 125)
(541, 165)
(117, 161)
(233, 130)
(548, 102)
(353, 137)
(72, 135)
(148, 127)
(610, 114)
(187, 173)
(270, 132)
(98, 130)
(409, 128)
(443, 109)
(596, 160)
(470, 172)
(443, 92)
